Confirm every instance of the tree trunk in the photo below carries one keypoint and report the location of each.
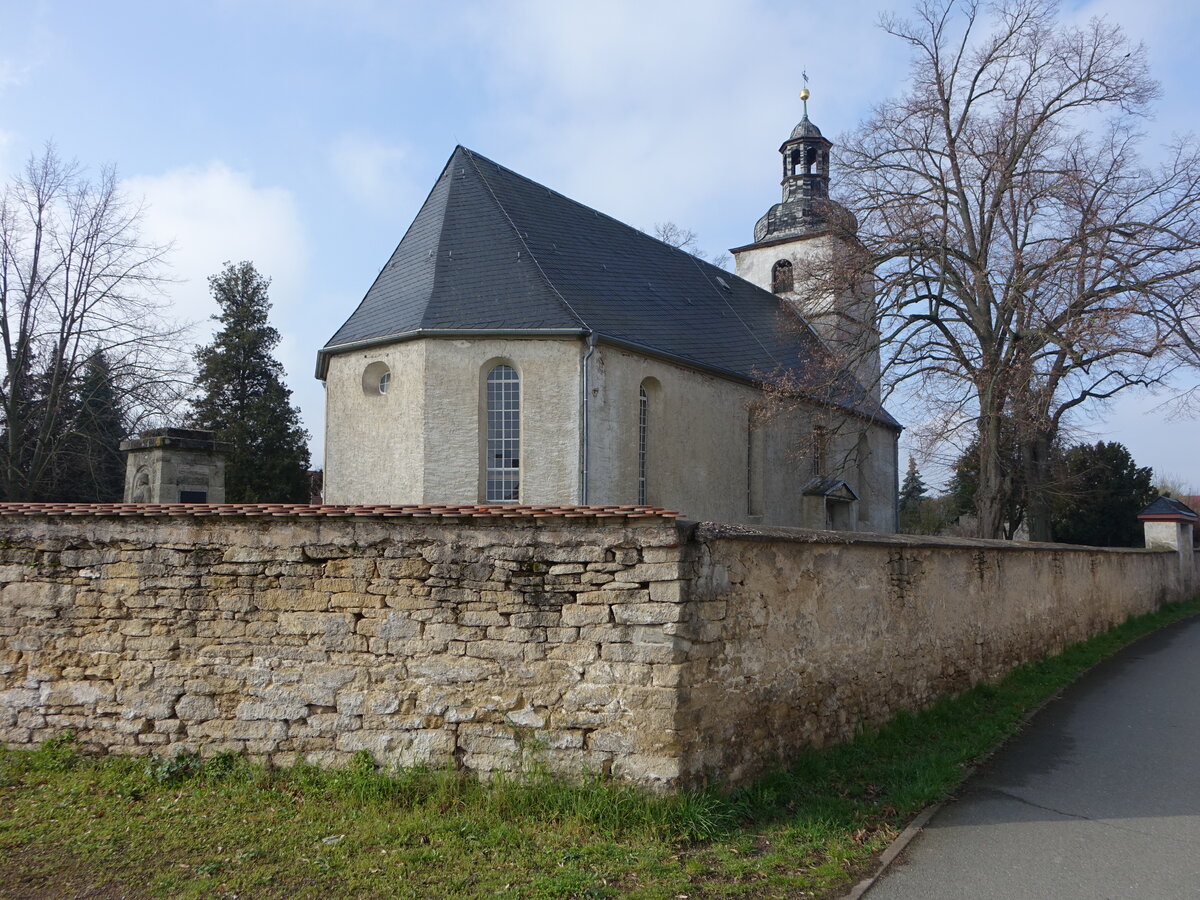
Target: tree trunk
(991, 494)
(1036, 464)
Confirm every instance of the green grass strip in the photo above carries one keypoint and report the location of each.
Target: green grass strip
(224, 827)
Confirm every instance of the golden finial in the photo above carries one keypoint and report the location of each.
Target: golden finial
(804, 95)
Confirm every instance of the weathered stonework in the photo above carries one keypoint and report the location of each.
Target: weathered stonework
(661, 653)
(174, 465)
(816, 635)
(478, 643)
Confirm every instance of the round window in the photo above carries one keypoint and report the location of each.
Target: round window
(376, 379)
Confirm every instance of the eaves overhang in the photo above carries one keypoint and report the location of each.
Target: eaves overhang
(514, 334)
(517, 334)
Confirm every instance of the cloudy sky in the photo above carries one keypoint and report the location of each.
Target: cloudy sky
(304, 134)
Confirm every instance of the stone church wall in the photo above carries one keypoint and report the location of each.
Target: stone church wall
(421, 441)
(699, 452)
(665, 654)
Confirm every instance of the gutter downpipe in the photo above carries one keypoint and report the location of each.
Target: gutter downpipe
(585, 417)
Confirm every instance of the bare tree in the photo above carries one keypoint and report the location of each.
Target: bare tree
(688, 241)
(76, 279)
(1027, 263)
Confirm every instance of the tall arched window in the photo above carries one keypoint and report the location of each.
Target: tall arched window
(503, 462)
(863, 481)
(819, 443)
(643, 428)
(781, 276)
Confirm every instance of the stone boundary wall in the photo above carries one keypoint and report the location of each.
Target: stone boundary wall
(667, 654)
(477, 641)
(814, 635)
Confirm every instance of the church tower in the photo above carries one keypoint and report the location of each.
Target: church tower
(800, 244)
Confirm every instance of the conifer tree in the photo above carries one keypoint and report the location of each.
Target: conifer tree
(243, 398)
(1106, 491)
(89, 465)
(912, 492)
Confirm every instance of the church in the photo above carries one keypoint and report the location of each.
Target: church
(520, 347)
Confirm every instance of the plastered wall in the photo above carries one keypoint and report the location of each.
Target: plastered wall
(814, 636)
(701, 460)
(422, 441)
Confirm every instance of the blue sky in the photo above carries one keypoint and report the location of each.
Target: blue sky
(304, 135)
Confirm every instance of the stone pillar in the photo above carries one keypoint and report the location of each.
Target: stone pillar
(1169, 525)
(175, 465)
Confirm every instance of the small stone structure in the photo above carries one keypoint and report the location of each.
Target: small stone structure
(175, 465)
(1170, 525)
(585, 638)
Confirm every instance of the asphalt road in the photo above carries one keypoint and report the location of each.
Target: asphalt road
(1098, 798)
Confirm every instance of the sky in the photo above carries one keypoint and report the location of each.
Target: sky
(303, 135)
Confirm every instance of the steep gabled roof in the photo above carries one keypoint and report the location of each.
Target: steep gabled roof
(493, 252)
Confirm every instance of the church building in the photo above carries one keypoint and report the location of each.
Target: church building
(520, 347)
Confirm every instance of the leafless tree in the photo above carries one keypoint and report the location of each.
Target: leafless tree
(76, 278)
(687, 240)
(1027, 262)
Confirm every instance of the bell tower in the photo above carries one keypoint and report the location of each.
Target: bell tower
(799, 243)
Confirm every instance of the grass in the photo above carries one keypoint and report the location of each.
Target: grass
(223, 827)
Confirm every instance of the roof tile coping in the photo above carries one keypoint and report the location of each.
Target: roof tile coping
(305, 510)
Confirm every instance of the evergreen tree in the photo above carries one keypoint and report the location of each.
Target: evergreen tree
(912, 492)
(100, 428)
(89, 465)
(1107, 490)
(243, 398)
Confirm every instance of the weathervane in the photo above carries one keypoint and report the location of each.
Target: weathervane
(804, 91)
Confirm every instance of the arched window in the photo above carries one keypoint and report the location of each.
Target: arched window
(503, 463)
(819, 443)
(863, 485)
(643, 428)
(781, 277)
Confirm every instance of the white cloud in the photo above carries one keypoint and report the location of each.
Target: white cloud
(212, 215)
(667, 110)
(375, 172)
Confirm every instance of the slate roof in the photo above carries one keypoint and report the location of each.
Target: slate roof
(1168, 506)
(805, 129)
(492, 251)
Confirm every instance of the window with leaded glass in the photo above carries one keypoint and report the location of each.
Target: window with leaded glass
(643, 412)
(503, 462)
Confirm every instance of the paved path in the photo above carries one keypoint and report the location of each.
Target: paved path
(1098, 798)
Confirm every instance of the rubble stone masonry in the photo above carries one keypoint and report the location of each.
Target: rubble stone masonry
(659, 652)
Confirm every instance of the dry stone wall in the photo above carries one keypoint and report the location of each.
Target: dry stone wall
(420, 641)
(661, 653)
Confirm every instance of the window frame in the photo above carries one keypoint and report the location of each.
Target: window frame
(643, 440)
(502, 433)
(783, 276)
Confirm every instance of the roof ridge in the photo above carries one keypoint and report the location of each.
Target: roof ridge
(520, 237)
(321, 358)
